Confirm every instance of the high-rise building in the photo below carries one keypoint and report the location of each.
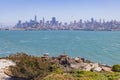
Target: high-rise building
(53, 21)
(19, 23)
(43, 21)
(35, 18)
(92, 20)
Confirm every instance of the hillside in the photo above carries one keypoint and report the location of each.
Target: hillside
(28, 67)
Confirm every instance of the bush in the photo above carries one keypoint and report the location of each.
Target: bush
(29, 67)
(116, 68)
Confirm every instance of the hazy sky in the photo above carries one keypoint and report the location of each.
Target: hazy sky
(64, 10)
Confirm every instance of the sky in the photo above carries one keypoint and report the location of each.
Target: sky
(64, 10)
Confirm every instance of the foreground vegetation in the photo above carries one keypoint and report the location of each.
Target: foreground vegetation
(37, 68)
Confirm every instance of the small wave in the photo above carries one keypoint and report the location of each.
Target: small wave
(77, 37)
(45, 38)
(25, 41)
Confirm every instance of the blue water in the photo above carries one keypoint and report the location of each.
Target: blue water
(97, 46)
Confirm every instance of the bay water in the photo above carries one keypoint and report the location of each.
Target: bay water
(97, 46)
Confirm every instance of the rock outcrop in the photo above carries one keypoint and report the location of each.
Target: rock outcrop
(4, 65)
(78, 63)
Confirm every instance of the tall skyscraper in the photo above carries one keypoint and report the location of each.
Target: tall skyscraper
(53, 21)
(35, 18)
(43, 20)
(19, 23)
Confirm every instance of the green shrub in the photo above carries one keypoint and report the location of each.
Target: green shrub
(29, 67)
(112, 75)
(116, 68)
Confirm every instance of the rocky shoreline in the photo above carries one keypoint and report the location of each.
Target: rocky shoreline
(78, 63)
(67, 64)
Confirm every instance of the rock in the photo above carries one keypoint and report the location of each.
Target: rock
(72, 61)
(107, 68)
(97, 69)
(87, 61)
(4, 76)
(75, 66)
(76, 58)
(94, 65)
(45, 56)
(4, 64)
(63, 56)
(87, 67)
(91, 66)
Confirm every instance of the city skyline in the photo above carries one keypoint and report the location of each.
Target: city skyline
(54, 24)
(63, 10)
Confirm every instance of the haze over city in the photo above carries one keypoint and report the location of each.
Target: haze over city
(64, 10)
